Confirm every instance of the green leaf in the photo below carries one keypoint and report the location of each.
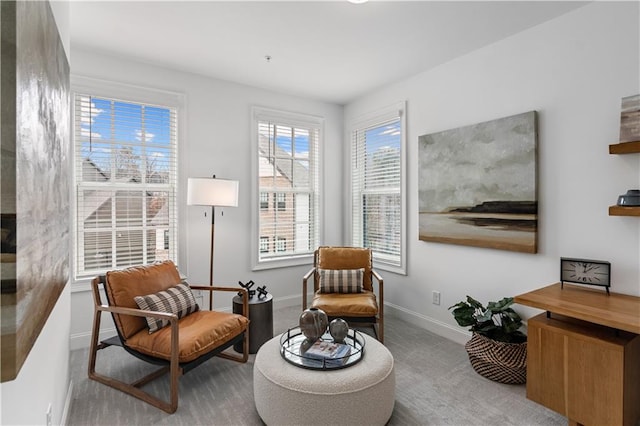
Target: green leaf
(464, 315)
(501, 305)
(473, 302)
(459, 305)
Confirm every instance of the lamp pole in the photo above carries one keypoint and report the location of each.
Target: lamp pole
(213, 223)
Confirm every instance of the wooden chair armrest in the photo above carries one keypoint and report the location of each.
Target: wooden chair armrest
(215, 288)
(308, 274)
(245, 294)
(377, 276)
(305, 278)
(138, 312)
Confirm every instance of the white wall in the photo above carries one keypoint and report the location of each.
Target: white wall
(44, 376)
(573, 70)
(218, 140)
(43, 379)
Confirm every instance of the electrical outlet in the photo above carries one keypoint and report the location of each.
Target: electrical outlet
(436, 297)
(49, 415)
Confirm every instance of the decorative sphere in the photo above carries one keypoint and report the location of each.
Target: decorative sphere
(338, 328)
(313, 323)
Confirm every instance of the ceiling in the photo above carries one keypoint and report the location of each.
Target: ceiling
(332, 51)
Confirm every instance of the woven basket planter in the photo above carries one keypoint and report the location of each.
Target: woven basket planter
(499, 361)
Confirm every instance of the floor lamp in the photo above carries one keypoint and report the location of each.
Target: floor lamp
(215, 193)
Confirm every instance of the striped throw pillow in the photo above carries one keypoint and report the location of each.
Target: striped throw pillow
(177, 300)
(341, 280)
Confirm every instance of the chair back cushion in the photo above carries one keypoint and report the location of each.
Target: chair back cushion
(124, 285)
(345, 258)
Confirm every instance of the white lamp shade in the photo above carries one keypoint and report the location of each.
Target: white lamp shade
(212, 192)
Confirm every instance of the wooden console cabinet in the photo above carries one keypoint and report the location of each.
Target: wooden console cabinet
(583, 356)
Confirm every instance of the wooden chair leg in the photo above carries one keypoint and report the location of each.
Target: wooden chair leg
(133, 389)
(245, 350)
(93, 348)
(169, 407)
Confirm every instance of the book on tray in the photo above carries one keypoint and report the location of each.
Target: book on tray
(331, 353)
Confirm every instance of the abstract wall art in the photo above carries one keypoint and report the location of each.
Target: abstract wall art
(478, 184)
(34, 83)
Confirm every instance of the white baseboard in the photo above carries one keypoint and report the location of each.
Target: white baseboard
(83, 340)
(67, 404)
(287, 301)
(435, 326)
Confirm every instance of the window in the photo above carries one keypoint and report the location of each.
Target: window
(287, 169)
(264, 244)
(281, 201)
(125, 182)
(264, 201)
(377, 186)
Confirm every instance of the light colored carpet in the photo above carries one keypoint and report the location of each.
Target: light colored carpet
(435, 385)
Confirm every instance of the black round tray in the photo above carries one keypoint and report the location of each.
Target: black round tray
(291, 349)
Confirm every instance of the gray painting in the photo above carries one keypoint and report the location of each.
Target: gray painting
(477, 184)
(35, 176)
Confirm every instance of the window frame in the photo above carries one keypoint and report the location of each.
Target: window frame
(289, 119)
(138, 95)
(362, 123)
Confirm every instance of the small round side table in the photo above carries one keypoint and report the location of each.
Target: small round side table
(261, 321)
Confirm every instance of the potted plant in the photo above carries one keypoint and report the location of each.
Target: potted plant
(498, 349)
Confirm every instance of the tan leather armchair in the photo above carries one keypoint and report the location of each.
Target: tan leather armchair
(178, 347)
(356, 308)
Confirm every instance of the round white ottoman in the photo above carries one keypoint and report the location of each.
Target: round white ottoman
(363, 394)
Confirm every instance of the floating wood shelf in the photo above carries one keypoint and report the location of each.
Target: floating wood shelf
(625, 148)
(624, 211)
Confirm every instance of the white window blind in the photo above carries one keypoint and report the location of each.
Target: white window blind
(377, 181)
(126, 178)
(287, 152)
